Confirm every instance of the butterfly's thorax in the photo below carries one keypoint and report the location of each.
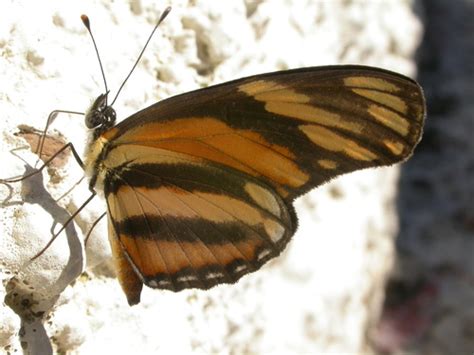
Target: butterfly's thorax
(96, 165)
(93, 164)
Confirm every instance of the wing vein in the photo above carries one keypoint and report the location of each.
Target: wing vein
(147, 223)
(212, 226)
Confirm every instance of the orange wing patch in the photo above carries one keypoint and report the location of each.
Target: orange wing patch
(210, 139)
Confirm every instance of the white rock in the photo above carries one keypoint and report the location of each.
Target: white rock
(321, 295)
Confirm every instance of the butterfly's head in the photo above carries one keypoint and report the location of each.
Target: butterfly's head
(100, 116)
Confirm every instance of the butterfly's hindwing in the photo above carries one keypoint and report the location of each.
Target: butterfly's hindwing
(127, 274)
(186, 225)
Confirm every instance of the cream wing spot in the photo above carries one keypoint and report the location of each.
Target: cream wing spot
(283, 95)
(328, 164)
(214, 275)
(254, 87)
(332, 141)
(274, 230)
(264, 253)
(187, 278)
(163, 283)
(153, 283)
(266, 91)
(395, 147)
(240, 268)
(263, 198)
(314, 114)
(383, 98)
(370, 83)
(390, 119)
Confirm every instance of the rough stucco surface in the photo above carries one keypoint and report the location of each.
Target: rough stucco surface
(323, 294)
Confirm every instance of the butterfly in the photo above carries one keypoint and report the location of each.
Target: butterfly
(200, 187)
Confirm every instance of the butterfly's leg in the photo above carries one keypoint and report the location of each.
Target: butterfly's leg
(39, 148)
(93, 226)
(53, 238)
(36, 171)
(71, 218)
(51, 117)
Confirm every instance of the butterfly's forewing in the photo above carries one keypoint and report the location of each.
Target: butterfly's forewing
(200, 186)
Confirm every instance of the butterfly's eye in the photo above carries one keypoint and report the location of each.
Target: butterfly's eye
(99, 114)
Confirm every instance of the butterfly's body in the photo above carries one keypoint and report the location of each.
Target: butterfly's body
(199, 187)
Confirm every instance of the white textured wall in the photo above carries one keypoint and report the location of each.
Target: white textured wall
(322, 295)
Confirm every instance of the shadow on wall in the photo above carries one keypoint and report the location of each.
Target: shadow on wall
(430, 299)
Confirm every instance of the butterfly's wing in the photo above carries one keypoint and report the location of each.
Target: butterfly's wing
(184, 223)
(200, 186)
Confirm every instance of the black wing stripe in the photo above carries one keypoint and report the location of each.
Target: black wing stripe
(206, 187)
(222, 232)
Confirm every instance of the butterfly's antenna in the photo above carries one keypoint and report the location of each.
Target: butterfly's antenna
(162, 17)
(86, 22)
